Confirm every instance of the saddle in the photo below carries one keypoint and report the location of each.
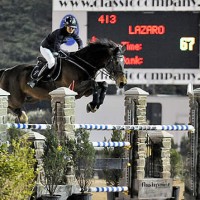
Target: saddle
(55, 71)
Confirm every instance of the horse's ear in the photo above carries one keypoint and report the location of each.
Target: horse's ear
(116, 50)
(123, 48)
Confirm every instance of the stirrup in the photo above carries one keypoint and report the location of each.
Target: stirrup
(32, 83)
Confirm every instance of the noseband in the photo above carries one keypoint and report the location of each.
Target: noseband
(110, 68)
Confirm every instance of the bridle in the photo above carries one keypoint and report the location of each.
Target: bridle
(112, 69)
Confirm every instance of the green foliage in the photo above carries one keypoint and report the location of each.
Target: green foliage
(17, 176)
(84, 159)
(185, 147)
(185, 151)
(176, 164)
(113, 175)
(23, 25)
(55, 160)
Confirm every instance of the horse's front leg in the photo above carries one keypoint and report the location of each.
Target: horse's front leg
(94, 104)
(103, 89)
(99, 93)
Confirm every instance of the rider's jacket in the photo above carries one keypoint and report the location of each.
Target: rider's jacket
(58, 37)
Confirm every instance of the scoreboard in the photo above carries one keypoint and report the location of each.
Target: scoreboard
(154, 40)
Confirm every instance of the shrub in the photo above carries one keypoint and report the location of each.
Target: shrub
(17, 176)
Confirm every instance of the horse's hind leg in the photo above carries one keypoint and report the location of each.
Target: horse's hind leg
(21, 115)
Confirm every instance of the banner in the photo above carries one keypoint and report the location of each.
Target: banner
(126, 5)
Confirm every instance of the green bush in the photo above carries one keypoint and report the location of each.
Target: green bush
(113, 176)
(84, 159)
(55, 160)
(176, 164)
(17, 176)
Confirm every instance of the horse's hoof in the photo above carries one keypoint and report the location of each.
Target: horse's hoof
(88, 108)
(94, 109)
(23, 118)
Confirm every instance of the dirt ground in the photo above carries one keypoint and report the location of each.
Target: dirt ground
(99, 195)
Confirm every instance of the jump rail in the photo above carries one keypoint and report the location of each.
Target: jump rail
(108, 189)
(28, 126)
(135, 127)
(108, 127)
(111, 144)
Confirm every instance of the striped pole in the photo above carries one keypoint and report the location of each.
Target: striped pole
(28, 126)
(108, 189)
(108, 127)
(135, 127)
(110, 144)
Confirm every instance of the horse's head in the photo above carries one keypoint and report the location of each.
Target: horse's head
(115, 66)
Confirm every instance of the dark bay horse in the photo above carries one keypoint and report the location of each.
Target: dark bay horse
(81, 69)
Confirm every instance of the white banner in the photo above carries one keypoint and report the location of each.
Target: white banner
(158, 76)
(126, 5)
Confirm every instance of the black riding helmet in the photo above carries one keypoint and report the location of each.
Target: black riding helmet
(71, 22)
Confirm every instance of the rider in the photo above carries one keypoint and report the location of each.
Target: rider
(52, 44)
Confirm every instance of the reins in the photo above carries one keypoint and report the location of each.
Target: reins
(71, 58)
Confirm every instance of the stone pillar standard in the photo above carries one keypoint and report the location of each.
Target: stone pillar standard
(3, 115)
(63, 110)
(162, 166)
(193, 180)
(135, 114)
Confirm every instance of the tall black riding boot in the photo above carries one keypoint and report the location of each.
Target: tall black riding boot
(43, 71)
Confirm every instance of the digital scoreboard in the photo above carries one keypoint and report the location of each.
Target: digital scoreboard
(161, 40)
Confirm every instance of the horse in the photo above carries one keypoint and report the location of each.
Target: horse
(80, 68)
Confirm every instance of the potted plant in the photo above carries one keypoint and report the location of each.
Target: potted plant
(55, 160)
(84, 160)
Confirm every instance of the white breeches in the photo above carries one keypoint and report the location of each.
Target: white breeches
(46, 53)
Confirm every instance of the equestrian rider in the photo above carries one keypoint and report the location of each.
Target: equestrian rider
(52, 43)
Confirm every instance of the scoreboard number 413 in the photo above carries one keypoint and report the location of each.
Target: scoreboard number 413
(107, 19)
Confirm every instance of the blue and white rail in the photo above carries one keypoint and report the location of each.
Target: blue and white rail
(111, 144)
(108, 127)
(108, 189)
(135, 127)
(28, 126)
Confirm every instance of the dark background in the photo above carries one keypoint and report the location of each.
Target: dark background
(159, 51)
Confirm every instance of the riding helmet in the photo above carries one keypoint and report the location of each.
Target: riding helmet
(71, 22)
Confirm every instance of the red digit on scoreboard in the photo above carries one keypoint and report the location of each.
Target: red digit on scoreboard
(107, 19)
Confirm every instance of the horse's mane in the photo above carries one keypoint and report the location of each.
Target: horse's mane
(93, 47)
(103, 42)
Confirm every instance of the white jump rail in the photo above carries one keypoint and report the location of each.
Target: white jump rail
(111, 144)
(135, 127)
(108, 127)
(108, 189)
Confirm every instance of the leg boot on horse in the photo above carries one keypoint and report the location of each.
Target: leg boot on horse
(103, 89)
(98, 96)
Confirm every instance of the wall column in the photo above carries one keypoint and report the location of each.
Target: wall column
(3, 115)
(135, 114)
